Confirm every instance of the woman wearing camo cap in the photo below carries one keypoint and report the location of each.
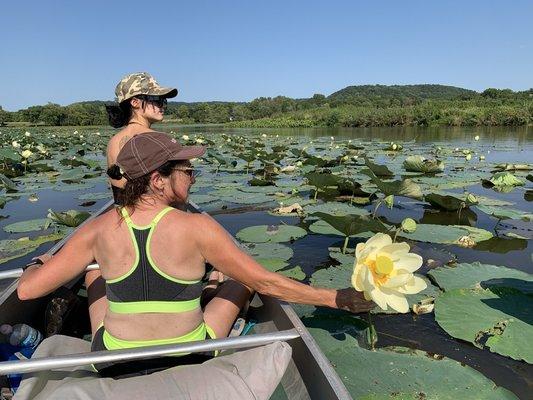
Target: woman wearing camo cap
(141, 103)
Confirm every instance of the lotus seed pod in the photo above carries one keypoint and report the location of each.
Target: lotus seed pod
(471, 199)
(468, 157)
(389, 201)
(408, 225)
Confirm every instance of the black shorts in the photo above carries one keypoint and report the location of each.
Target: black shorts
(127, 369)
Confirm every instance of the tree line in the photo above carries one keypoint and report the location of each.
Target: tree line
(367, 105)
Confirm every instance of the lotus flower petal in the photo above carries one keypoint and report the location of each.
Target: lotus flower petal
(379, 298)
(414, 286)
(410, 262)
(398, 280)
(357, 277)
(396, 300)
(396, 248)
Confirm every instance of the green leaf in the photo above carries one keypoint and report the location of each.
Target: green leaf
(444, 233)
(377, 169)
(504, 179)
(11, 249)
(421, 164)
(350, 225)
(506, 213)
(496, 319)
(28, 226)
(321, 181)
(471, 276)
(295, 273)
(446, 202)
(272, 264)
(400, 373)
(8, 183)
(271, 233)
(269, 249)
(71, 218)
(406, 187)
(335, 208)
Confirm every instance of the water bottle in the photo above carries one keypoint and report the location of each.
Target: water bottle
(22, 335)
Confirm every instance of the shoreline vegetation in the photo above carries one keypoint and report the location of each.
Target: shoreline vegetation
(353, 106)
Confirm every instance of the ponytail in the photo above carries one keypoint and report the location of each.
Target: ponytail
(119, 115)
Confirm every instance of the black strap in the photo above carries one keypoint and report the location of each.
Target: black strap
(37, 261)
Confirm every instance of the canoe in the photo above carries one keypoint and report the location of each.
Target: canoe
(309, 374)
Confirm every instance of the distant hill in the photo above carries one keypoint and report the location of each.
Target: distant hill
(421, 92)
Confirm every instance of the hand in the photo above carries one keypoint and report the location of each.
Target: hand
(351, 300)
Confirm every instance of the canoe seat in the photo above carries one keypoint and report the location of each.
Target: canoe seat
(248, 374)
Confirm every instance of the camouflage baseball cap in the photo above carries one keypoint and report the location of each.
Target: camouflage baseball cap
(141, 83)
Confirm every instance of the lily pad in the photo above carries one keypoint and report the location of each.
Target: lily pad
(335, 208)
(506, 213)
(11, 248)
(406, 187)
(432, 233)
(377, 169)
(271, 233)
(504, 179)
(265, 250)
(272, 264)
(500, 320)
(418, 163)
(295, 273)
(476, 275)
(70, 218)
(28, 226)
(402, 373)
(350, 225)
(447, 202)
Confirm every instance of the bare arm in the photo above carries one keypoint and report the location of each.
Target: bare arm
(66, 265)
(219, 249)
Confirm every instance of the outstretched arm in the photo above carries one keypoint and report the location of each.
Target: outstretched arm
(219, 249)
(67, 264)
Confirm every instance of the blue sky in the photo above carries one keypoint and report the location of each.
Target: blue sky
(68, 51)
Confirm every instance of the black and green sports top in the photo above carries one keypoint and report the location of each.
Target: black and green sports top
(145, 288)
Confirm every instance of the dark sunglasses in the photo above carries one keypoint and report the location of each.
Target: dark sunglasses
(157, 101)
(193, 173)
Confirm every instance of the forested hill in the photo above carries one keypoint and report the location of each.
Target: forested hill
(422, 92)
(366, 105)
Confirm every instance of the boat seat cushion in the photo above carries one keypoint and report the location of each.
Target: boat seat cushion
(248, 374)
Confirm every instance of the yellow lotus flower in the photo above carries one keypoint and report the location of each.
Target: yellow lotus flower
(383, 271)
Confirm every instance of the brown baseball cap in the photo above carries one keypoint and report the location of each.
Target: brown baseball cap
(146, 152)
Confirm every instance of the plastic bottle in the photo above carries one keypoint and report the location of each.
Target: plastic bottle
(22, 335)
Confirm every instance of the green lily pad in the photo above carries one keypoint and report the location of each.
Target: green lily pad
(70, 218)
(406, 187)
(11, 248)
(8, 183)
(272, 264)
(402, 373)
(418, 163)
(28, 226)
(377, 169)
(504, 179)
(271, 233)
(446, 202)
(432, 233)
(506, 213)
(269, 249)
(350, 225)
(335, 208)
(295, 273)
(500, 320)
(471, 276)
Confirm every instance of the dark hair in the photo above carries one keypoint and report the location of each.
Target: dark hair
(119, 115)
(137, 187)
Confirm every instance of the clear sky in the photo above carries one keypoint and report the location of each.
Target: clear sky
(68, 51)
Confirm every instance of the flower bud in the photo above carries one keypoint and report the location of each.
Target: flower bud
(408, 225)
(389, 201)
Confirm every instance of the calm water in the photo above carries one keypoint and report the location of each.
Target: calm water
(514, 145)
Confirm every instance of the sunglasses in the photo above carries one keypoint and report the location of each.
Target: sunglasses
(193, 173)
(157, 101)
